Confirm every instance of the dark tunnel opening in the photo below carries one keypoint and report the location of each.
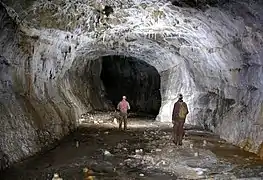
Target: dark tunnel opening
(134, 78)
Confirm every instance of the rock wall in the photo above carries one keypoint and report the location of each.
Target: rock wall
(213, 56)
(30, 120)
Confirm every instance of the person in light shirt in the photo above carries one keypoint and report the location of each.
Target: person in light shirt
(123, 107)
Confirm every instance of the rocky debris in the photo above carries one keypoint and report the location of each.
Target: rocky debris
(204, 143)
(88, 174)
(179, 161)
(107, 153)
(111, 118)
(141, 174)
(115, 121)
(139, 153)
(98, 117)
(196, 154)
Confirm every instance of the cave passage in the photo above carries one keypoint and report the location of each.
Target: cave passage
(136, 79)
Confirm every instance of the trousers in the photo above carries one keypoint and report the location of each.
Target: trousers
(123, 118)
(178, 131)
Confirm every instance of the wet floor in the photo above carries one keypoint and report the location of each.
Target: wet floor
(143, 152)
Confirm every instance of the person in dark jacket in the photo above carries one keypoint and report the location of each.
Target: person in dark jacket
(180, 112)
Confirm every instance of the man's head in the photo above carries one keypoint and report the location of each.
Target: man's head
(180, 97)
(124, 97)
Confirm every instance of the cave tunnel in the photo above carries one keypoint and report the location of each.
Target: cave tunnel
(60, 66)
(134, 78)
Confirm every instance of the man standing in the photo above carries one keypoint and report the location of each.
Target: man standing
(123, 107)
(180, 111)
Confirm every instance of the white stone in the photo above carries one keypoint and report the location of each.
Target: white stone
(56, 177)
(81, 120)
(204, 143)
(115, 121)
(191, 146)
(138, 151)
(196, 154)
(107, 153)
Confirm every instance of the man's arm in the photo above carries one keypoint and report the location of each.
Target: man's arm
(128, 106)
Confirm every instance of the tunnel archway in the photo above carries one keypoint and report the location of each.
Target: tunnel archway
(134, 78)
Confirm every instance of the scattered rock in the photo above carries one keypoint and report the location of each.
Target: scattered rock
(199, 171)
(107, 153)
(138, 151)
(88, 174)
(56, 177)
(142, 175)
(119, 145)
(77, 144)
(115, 121)
(204, 143)
(82, 120)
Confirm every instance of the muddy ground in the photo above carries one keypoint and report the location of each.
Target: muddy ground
(144, 152)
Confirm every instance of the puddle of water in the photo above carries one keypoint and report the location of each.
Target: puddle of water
(227, 151)
(245, 164)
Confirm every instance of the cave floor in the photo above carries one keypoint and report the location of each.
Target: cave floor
(111, 154)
